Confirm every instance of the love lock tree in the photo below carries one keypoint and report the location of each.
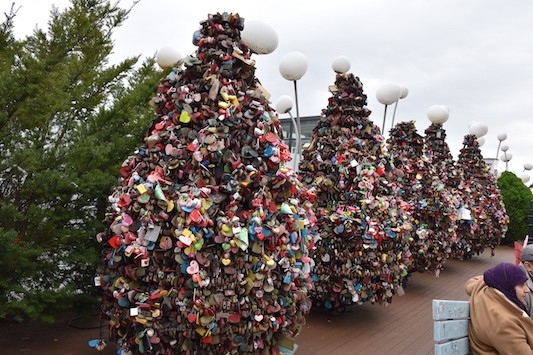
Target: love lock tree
(64, 112)
(433, 212)
(205, 249)
(442, 161)
(438, 151)
(484, 220)
(361, 251)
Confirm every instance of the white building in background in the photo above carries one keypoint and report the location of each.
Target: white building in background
(492, 163)
(308, 123)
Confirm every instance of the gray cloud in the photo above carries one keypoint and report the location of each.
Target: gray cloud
(474, 56)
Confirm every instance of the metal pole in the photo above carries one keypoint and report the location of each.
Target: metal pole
(296, 157)
(383, 125)
(291, 127)
(394, 114)
(506, 162)
(298, 123)
(498, 150)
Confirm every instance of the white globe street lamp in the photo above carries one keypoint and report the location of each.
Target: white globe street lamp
(387, 94)
(506, 157)
(524, 177)
(341, 65)
(404, 93)
(528, 166)
(501, 137)
(259, 37)
(283, 105)
(438, 114)
(478, 129)
(166, 57)
(504, 148)
(292, 67)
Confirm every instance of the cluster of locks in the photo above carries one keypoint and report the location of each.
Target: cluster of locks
(432, 204)
(481, 219)
(486, 220)
(361, 253)
(214, 245)
(206, 249)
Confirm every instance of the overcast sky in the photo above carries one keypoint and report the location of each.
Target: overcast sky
(474, 56)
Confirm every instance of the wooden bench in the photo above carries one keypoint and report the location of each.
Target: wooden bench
(450, 327)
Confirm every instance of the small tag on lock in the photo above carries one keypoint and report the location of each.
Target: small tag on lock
(97, 281)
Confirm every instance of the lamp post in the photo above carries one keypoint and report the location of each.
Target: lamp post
(167, 57)
(525, 176)
(259, 37)
(506, 157)
(438, 114)
(341, 65)
(284, 104)
(501, 137)
(387, 94)
(404, 93)
(478, 129)
(292, 67)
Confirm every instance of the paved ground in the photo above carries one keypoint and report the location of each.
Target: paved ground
(404, 327)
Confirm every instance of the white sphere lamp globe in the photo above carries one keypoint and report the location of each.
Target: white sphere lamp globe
(284, 104)
(528, 166)
(259, 37)
(389, 93)
(502, 136)
(438, 114)
(293, 66)
(472, 123)
(505, 157)
(504, 148)
(167, 57)
(478, 129)
(341, 65)
(405, 91)
(524, 177)
(481, 141)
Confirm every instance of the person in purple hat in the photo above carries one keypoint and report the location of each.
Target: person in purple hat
(499, 319)
(526, 264)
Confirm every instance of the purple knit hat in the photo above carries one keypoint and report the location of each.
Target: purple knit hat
(504, 277)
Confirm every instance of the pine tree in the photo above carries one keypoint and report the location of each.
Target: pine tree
(207, 232)
(517, 198)
(362, 223)
(63, 124)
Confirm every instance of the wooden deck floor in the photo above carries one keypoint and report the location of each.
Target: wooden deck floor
(403, 327)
